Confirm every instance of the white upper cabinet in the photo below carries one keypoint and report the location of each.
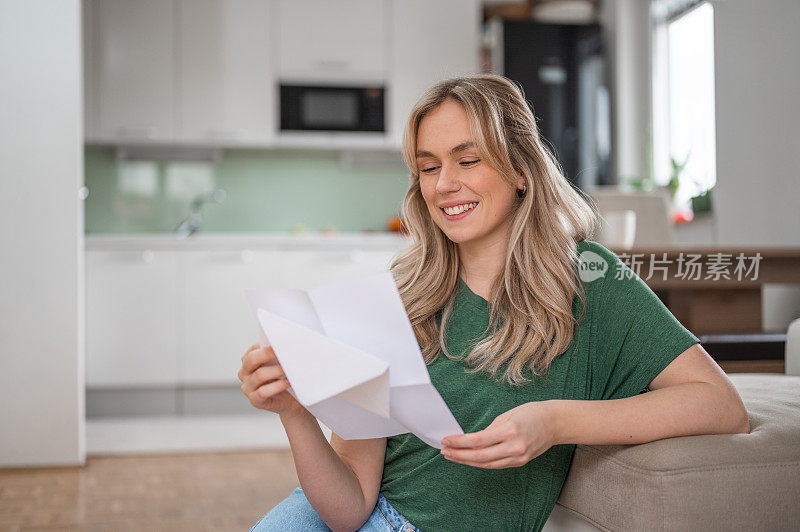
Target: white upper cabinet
(344, 39)
(133, 60)
(205, 72)
(432, 41)
(225, 91)
(179, 71)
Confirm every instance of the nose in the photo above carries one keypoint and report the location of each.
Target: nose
(448, 180)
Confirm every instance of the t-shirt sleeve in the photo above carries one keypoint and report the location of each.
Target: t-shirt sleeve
(635, 334)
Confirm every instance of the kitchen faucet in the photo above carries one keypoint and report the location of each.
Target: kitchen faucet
(191, 224)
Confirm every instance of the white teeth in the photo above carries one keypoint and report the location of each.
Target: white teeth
(458, 209)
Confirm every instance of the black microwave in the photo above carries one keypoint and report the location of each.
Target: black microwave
(332, 108)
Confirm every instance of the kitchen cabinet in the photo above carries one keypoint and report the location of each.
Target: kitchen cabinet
(132, 61)
(225, 93)
(179, 317)
(217, 323)
(216, 319)
(178, 71)
(205, 72)
(132, 334)
(343, 39)
(431, 41)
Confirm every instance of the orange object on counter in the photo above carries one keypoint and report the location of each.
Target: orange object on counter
(680, 216)
(396, 225)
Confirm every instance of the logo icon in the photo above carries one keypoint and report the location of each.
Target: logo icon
(591, 266)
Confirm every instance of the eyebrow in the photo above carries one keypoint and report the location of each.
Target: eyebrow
(461, 147)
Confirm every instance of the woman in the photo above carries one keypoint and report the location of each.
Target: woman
(536, 338)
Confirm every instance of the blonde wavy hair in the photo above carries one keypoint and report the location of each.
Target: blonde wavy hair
(530, 307)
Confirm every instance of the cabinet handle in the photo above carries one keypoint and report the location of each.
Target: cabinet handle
(148, 256)
(331, 64)
(222, 134)
(247, 256)
(149, 132)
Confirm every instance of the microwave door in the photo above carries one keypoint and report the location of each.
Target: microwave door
(328, 108)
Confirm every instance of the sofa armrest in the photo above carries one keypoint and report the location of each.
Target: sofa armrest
(703, 482)
(793, 348)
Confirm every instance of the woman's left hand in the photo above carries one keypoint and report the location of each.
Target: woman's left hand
(513, 439)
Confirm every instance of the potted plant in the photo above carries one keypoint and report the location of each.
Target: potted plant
(675, 176)
(702, 202)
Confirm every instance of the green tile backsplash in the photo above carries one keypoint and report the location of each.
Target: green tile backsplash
(267, 190)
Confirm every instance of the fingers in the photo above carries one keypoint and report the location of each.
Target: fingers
(268, 390)
(483, 438)
(502, 453)
(260, 376)
(262, 396)
(256, 356)
(499, 464)
(252, 347)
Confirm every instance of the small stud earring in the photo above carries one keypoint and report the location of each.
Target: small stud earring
(521, 192)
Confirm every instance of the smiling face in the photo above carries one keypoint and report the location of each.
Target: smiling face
(469, 200)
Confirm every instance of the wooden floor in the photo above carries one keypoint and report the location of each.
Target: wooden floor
(215, 491)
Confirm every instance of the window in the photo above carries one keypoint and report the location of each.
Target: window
(683, 96)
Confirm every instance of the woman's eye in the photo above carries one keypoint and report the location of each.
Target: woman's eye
(462, 163)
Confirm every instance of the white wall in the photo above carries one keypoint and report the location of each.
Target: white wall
(757, 197)
(41, 232)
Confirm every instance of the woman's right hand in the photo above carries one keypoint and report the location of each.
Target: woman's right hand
(264, 382)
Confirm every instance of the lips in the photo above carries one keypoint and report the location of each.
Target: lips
(458, 214)
(454, 208)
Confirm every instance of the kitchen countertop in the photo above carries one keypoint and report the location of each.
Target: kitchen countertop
(240, 241)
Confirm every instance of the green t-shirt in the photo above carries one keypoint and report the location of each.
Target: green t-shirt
(626, 338)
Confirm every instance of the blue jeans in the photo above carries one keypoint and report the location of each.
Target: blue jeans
(296, 513)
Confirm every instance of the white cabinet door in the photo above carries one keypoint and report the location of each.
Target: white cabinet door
(225, 90)
(131, 318)
(324, 38)
(432, 41)
(165, 318)
(217, 324)
(310, 268)
(133, 60)
(332, 265)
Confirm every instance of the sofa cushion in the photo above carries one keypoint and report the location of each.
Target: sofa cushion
(709, 482)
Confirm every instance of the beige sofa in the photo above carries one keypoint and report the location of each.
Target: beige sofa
(709, 482)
